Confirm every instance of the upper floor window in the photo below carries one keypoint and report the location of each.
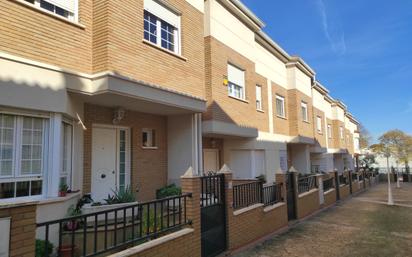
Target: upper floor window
(259, 105)
(280, 106)
(63, 8)
(236, 79)
(329, 131)
(304, 109)
(341, 133)
(161, 26)
(319, 124)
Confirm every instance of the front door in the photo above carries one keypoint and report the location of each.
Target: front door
(210, 160)
(109, 161)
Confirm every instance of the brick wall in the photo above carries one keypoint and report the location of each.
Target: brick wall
(148, 166)
(320, 137)
(298, 127)
(22, 229)
(280, 124)
(344, 191)
(338, 142)
(331, 137)
(221, 107)
(307, 203)
(330, 197)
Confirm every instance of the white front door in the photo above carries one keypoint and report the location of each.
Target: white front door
(210, 160)
(110, 161)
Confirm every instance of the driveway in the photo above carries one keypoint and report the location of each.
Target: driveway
(359, 227)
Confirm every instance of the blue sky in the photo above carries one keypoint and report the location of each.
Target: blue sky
(361, 50)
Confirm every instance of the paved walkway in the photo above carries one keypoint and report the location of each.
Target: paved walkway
(360, 227)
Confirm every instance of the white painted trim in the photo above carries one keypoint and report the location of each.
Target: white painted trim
(273, 207)
(247, 209)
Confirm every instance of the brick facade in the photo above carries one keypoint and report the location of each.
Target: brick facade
(280, 124)
(298, 127)
(320, 136)
(307, 203)
(148, 166)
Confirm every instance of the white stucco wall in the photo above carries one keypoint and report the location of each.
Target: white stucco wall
(301, 158)
(198, 4)
(299, 80)
(338, 113)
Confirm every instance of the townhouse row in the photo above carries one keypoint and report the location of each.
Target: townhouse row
(105, 95)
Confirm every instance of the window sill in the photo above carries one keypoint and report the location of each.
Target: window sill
(164, 50)
(150, 147)
(55, 16)
(305, 121)
(52, 200)
(281, 117)
(239, 99)
(259, 110)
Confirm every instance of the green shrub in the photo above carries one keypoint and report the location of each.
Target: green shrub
(168, 191)
(121, 196)
(41, 246)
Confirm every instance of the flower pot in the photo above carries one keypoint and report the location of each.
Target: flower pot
(72, 225)
(62, 193)
(67, 250)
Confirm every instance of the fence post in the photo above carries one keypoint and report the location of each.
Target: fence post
(319, 178)
(227, 172)
(350, 181)
(191, 184)
(281, 180)
(337, 184)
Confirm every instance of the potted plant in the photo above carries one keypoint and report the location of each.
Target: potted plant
(72, 212)
(42, 246)
(63, 188)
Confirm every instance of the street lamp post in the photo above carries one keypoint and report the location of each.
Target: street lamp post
(390, 197)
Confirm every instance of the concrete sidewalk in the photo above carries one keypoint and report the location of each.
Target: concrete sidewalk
(359, 227)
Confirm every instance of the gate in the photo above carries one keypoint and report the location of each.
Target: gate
(213, 215)
(290, 187)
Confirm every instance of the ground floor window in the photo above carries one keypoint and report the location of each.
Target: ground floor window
(23, 144)
(66, 152)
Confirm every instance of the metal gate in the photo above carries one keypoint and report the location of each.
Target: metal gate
(290, 187)
(213, 215)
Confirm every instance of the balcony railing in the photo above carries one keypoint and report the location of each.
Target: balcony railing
(328, 184)
(116, 229)
(343, 180)
(306, 184)
(272, 194)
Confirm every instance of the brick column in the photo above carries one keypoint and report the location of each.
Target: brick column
(191, 184)
(350, 181)
(280, 178)
(229, 204)
(319, 178)
(22, 228)
(335, 175)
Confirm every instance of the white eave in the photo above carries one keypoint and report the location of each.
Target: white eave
(243, 13)
(296, 61)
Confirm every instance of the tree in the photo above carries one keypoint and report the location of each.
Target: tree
(384, 149)
(364, 137)
(367, 160)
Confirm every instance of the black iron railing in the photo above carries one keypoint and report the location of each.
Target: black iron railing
(328, 184)
(306, 184)
(354, 177)
(343, 179)
(248, 194)
(272, 194)
(212, 190)
(116, 229)
(360, 176)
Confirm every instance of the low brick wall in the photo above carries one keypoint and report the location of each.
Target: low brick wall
(250, 224)
(307, 203)
(22, 228)
(330, 197)
(344, 191)
(355, 186)
(177, 244)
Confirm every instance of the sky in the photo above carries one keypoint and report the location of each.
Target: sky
(361, 51)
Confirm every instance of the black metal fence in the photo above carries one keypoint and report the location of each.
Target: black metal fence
(354, 177)
(212, 190)
(306, 184)
(343, 179)
(251, 193)
(116, 229)
(328, 184)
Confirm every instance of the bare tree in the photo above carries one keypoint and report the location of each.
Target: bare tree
(364, 137)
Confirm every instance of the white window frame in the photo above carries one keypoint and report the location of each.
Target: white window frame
(319, 124)
(259, 103)
(69, 173)
(17, 157)
(73, 14)
(236, 87)
(330, 131)
(282, 99)
(304, 110)
(159, 21)
(149, 131)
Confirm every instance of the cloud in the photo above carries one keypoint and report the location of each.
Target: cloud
(332, 31)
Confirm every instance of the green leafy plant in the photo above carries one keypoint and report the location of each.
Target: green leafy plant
(121, 196)
(63, 187)
(74, 211)
(261, 178)
(42, 246)
(148, 221)
(168, 191)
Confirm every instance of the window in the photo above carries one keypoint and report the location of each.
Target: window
(161, 26)
(259, 105)
(148, 138)
(66, 152)
(329, 131)
(280, 106)
(23, 144)
(341, 133)
(236, 79)
(63, 8)
(319, 124)
(122, 160)
(304, 108)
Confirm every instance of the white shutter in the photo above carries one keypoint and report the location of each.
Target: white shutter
(69, 5)
(236, 75)
(259, 93)
(162, 12)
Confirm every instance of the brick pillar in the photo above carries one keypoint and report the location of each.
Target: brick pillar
(280, 178)
(229, 204)
(22, 229)
(335, 175)
(350, 181)
(191, 184)
(319, 177)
